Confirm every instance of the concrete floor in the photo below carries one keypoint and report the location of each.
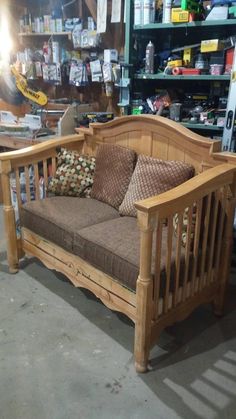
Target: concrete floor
(63, 355)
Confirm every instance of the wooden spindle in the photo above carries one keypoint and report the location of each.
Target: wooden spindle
(187, 250)
(197, 232)
(178, 258)
(204, 242)
(18, 191)
(54, 166)
(36, 180)
(212, 237)
(9, 218)
(219, 232)
(168, 262)
(144, 295)
(27, 183)
(157, 284)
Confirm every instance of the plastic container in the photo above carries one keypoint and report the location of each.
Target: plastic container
(216, 69)
(175, 111)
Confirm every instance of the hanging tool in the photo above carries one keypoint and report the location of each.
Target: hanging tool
(124, 85)
(35, 96)
(228, 139)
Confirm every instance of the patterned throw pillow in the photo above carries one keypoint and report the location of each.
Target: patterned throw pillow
(74, 174)
(114, 168)
(152, 177)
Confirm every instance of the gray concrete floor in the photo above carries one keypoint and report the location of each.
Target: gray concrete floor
(63, 355)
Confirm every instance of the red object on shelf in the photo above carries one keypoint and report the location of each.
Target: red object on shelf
(191, 71)
(229, 55)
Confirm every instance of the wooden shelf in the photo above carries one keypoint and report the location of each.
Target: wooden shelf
(202, 127)
(196, 24)
(47, 34)
(161, 76)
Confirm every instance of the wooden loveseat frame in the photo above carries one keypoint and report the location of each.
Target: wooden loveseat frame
(212, 192)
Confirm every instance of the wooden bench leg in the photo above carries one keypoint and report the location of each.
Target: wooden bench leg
(143, 325)
(9, 219)
(144, 291)
(12, 251)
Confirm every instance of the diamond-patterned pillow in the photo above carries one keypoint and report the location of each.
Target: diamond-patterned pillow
(74, 174)
(114, 168)
(152, 177)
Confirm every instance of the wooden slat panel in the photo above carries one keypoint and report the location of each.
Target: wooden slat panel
(36, 180)
(122, 140)
(135, 143)
(159, 148)
(175, 153)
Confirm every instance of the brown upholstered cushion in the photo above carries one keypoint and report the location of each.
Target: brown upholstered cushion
(152, 177)
(74, 174)
(57, 218)
(114, 248)
(114, 168)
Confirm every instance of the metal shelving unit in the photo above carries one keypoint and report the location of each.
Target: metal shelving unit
(161, 76)
(188, 25)
(179, 34)
(44, 34)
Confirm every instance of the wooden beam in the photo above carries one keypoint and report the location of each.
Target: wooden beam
(92, 6)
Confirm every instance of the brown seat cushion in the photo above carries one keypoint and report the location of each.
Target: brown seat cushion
(58, 217)
(152, 177)
(114, 247)
(114, 168)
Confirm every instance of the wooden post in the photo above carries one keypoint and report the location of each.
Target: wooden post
(9, 218)
(144, 292)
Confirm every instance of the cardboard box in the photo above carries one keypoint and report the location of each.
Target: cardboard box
(179, 15)
(187, 56)
(211, 45)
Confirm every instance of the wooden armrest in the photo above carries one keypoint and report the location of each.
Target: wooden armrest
(40, 148)
(184, 195)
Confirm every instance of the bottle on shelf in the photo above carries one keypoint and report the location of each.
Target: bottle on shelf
(149, 61)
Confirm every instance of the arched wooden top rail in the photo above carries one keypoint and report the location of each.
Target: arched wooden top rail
(159, 137)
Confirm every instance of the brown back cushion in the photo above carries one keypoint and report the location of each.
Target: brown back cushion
(152, 177)
(114, 168)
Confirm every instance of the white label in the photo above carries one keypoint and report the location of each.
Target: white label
(101, 16)
(116, 11)
(138, 12)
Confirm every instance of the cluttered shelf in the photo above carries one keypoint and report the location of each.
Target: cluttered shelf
(202, 127)
(16, 143)
(194, 24)
(45, 34)
(161, 76)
